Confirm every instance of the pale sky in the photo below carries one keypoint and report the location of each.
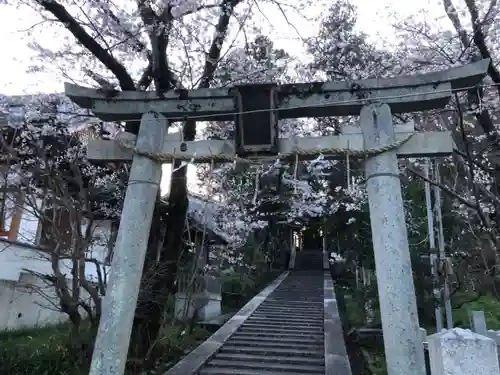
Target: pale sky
(16, 55)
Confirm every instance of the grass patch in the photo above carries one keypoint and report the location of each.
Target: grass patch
(488, 304)
(354, 310)
(41, 351)
(377, 365)
(177, 342)
(38, 351)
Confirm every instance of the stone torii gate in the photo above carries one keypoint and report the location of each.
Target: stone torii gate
(256, 110)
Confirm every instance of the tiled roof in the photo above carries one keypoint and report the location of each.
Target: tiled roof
(206, 213)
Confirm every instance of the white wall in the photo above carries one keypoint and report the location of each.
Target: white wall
(15, 257)
(29, 303)
(28, 228)
(20, 305)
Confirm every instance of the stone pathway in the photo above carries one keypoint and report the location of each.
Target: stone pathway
(292, 327)
(283, 336)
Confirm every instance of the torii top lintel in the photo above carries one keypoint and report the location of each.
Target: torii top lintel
(316, 99)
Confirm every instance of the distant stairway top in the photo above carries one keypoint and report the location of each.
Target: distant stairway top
(309, 260)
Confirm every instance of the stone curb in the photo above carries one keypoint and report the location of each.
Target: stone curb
(336, 359)
(191, 363)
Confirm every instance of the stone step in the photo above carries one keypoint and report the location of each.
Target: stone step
(282, 336)
(291, 303)
(229, 371)
(309, 264)
(313, 325)
(289, 352)
(286, 303)
(270, 343)
(302, 368)
(273, 328)
(299, 330)
(292, 322)
(286, 316)
(284, 307)
(266, 358)
(300, 311)
(272, 312)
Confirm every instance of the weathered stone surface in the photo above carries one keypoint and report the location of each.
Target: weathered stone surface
(398, 308)
(336, 359)
(315, 99)
(420, 145)
(462, 352)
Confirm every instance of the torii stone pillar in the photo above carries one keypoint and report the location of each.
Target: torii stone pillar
(398, 308)
(118, 308)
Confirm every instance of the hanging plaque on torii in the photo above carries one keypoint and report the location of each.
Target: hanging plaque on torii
(256, 110)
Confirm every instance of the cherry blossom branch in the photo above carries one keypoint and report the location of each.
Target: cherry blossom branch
(59, 11)
(445, 188)
(480, 41)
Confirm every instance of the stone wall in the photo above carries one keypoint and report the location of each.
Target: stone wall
(30, 302)
(22, 307)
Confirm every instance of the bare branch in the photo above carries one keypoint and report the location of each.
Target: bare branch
(214, 52)
(60, 12)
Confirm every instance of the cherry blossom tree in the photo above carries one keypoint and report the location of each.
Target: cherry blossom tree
(163, 45)
(464, 32)
(135, 45)
(46, 165)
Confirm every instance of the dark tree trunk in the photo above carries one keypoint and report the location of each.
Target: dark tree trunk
(163, 250)
(152, 296)
(160, 267)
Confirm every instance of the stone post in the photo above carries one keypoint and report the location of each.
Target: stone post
(423, 334)
(478, 322)
(293, 252)
(202, 298)
(462, 352)
(423, 337)
(118, 308)
(398, 308)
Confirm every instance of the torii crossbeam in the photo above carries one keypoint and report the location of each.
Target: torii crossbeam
(256, 110)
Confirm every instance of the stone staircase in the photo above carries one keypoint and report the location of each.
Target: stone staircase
(284, 336)
(290, 328)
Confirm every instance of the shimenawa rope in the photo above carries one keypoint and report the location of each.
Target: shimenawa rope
(167, 157)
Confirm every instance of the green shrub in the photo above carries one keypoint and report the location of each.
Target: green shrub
(490, 305)
(176, 341)
(235, 290)
(41, 351)
(239, 288)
